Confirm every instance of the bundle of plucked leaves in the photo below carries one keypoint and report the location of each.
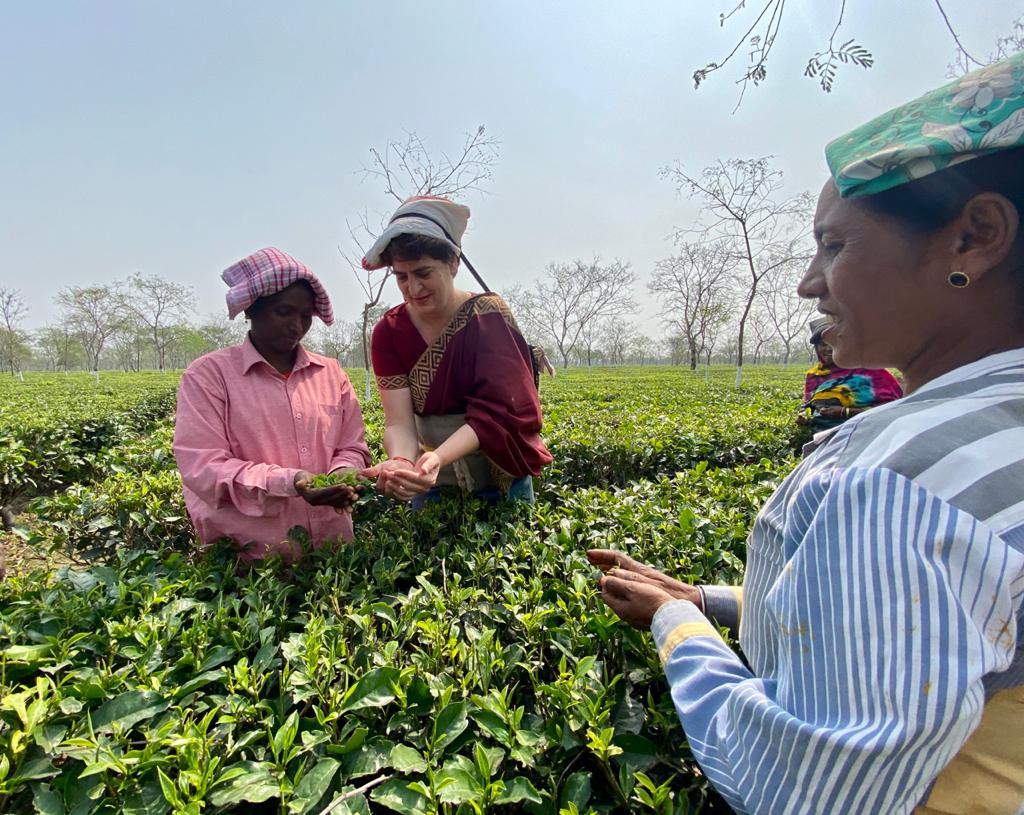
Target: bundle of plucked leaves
(348, 478)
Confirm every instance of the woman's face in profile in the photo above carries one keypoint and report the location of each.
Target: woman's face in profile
(869, 274)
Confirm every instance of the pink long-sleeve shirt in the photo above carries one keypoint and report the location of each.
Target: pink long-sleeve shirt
(243, 431)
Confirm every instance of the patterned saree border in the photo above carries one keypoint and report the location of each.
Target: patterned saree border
(393, 383)
(421, 377)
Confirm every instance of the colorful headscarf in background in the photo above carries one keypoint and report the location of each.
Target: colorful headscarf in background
(267, 272)
(849, 387)
(978, 114)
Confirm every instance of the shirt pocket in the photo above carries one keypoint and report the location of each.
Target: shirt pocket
(331, 421)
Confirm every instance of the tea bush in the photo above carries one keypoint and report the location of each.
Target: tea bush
(51, 424)
(456, 660)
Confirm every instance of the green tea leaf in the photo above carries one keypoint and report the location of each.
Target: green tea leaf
(518, 789)
(255, 785)
(45, 801)
(407, 759)
(313, 786)
(372, 757)
(458, 786)
(397, 796)
(374, 689)
(577, 790)
(449, 725)
(127, 710)
(149, 800)
(638, 752)
(27, 653)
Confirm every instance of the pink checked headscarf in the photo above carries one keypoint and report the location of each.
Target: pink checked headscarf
(267, 272)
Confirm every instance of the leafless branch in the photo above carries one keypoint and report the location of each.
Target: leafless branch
(956, 38)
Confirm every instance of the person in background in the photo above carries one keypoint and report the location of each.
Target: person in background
(833, 394)
(256, 420)
(456, 378)
(881, 612)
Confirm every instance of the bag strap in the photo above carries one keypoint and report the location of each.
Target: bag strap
(451, 240)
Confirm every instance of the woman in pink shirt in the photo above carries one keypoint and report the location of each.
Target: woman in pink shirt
(256, 420)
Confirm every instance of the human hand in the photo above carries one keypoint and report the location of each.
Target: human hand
(831, 412)
(803, 418)
(635, 599)
(380, 470)
(405, 484)
(339, 496)
(622, 565)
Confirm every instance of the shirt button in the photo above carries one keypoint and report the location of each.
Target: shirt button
(298, 415)
(303, 449)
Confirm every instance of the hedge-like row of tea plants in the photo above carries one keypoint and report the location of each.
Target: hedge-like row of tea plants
(453, 661)
(50, 425)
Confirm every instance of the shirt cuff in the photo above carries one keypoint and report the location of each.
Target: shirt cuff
(281, 483)
(723, 605)
(676, 622)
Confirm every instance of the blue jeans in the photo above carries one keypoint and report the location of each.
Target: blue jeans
(519, 490)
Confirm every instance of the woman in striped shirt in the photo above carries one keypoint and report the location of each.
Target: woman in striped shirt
(881, 608)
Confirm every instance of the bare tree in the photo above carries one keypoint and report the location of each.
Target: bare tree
(218, 332)
(743, 209)
(57, 345)
(712, 336)
(571, 296)
(761, 330)
(407, 168)
(760, 35)
(786, 311)
(1005, 46)
(93, 314)
(337, 340)
(155, 304)
(641, 347)
(694, 288)
(589, 348)
(128, 343)
(618, 337)
(12, 338)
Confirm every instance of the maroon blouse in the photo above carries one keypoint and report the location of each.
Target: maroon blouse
(480, 366)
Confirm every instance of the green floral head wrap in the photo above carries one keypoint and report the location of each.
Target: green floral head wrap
(978, 114)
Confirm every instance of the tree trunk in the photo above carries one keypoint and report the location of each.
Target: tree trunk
(366, 359)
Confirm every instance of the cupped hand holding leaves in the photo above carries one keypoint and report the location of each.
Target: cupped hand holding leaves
(340, 496)
(396, 479)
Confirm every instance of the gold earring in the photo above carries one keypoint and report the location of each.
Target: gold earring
(958, 280)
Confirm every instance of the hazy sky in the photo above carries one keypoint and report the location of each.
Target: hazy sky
(175, 138)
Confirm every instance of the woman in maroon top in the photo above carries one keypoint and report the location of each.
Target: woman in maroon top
(455, 375)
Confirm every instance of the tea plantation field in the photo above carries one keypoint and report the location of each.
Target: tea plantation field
(458, 660)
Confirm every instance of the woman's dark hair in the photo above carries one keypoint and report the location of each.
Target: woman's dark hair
(928, 204)
(409, 246)
(260, 303)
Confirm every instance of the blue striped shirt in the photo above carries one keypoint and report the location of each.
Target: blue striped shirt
(881, 618)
